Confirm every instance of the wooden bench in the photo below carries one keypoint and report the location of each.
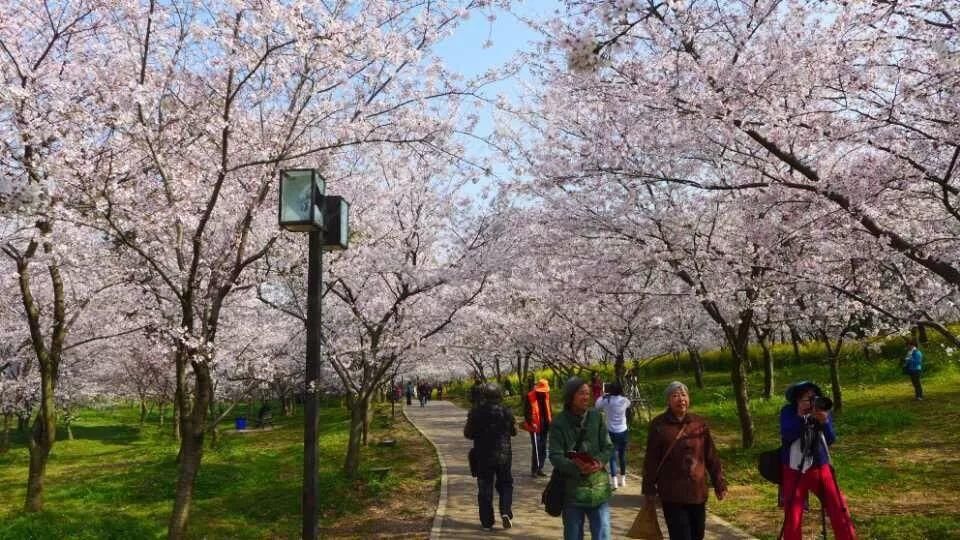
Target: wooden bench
(380, 472)
(265, 419)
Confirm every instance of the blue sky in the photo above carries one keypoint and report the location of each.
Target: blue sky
(465, 52)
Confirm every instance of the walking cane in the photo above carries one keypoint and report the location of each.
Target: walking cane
(536, 453)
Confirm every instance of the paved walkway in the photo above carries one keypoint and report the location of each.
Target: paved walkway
(457, 518)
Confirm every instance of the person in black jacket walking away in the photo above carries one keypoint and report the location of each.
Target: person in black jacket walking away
(490, 425)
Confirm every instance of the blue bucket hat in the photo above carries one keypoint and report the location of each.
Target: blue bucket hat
(794, 389)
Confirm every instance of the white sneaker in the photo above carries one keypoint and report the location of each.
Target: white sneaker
(623, 480)
(613, 482)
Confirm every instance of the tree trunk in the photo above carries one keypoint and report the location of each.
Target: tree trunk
(762, 340)
(619, 368)
(41, 441)
(795, 340)
(160, 409)
(921, 334)
(697, 366)
(768, 373)
(358, 412)
(368, 415)
(143, 411)
(835, 380)
(40, 446)
(526, 364)
(496, 367)
(833, 358)
(738, 376)
(44, 431)
(5, 438)
(191, 452)
(176, 417)
(69, 427)
(521, 376)
(192, 428)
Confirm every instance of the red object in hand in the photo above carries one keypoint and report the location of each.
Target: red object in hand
(582, 458)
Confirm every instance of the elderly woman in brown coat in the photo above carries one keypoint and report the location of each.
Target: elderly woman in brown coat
(680, 452)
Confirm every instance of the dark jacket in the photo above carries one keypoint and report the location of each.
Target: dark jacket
(563, 437)
(490, 426)
(683, 476)
(792, 427)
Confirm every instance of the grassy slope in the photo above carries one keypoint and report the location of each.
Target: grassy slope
(116, 480)
(897, 460)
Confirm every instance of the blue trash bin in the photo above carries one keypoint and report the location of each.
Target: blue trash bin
(241, 422)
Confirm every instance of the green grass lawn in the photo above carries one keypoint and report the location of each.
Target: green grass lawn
(897, 460)
(116, 481)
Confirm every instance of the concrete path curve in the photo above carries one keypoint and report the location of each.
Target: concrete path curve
(442, 423)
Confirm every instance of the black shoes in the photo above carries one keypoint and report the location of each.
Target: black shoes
(507, 522)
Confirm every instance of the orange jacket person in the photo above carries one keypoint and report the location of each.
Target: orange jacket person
(537, 415)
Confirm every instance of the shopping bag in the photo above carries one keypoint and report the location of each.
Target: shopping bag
(645, 525)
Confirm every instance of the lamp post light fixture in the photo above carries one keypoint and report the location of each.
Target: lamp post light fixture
(301, 200)
(304, 207)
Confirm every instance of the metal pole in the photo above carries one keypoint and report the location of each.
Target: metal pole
(311, 403)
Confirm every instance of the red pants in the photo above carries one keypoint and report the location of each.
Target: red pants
(819, 480)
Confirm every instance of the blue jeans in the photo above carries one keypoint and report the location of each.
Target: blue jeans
(619, 452)
(599, 517)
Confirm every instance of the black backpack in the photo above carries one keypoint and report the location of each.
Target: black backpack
(768, 464)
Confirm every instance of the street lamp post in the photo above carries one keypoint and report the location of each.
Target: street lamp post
(304, 207)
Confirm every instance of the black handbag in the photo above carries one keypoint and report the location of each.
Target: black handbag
(552, 497)
(768, 464)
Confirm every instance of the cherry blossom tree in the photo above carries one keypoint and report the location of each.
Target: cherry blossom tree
(171, 121)
(859, 118)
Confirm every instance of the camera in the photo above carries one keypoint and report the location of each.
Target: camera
(822, 403)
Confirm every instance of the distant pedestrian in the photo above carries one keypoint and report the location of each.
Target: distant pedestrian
(409, 392)
(537, 419)
(490, 426)
(615, 406)
(423, 390)
(912, 366)
(440, 391)
(596, 386)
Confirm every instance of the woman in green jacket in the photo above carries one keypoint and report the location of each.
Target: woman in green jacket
(586, 487)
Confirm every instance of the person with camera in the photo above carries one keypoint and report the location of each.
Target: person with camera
(490, 426)
(806, 431)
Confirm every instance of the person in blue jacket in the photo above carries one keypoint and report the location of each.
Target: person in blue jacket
(912, 366)
(806, 433)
